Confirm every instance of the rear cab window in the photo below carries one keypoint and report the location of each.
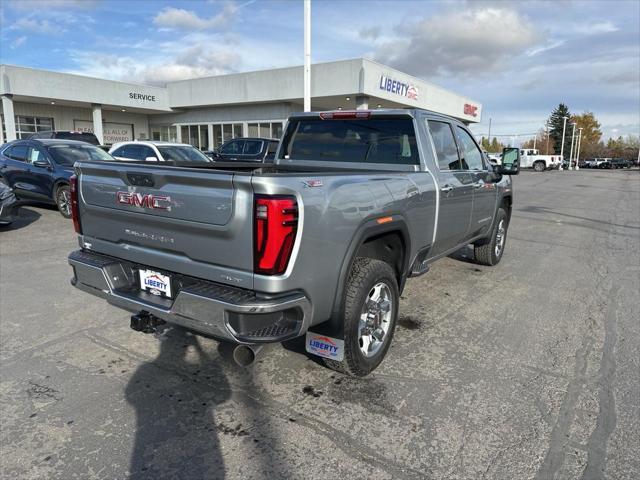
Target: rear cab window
(381, 140)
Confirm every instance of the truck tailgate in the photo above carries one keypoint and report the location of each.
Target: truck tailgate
(191, 221)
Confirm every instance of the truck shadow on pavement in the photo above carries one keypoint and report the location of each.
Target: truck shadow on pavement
(176, 434)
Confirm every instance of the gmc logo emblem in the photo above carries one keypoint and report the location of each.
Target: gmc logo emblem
(470, 110)
(155, 202)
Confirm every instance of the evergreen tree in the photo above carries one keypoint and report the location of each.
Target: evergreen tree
(556, 123)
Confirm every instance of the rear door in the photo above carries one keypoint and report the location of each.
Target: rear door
(16, 170)
(485, 193)
(232, 150)
(194, 221)
(456, 189)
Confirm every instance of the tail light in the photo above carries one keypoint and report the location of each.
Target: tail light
(75, 213)
(276, 224)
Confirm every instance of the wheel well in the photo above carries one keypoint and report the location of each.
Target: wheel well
(388, 247)
(56, 186)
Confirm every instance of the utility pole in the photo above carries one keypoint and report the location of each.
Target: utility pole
(546, 125)
(564, 127)
(489, 131)
(573, 136)
(534, 141)
(307, 55)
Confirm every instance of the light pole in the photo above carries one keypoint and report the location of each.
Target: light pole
(573, 136)
(564, 127)
(307, 55)
(578, 149)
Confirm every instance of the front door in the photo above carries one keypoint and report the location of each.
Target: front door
(456, 190)
(40, 177)
(485, 193)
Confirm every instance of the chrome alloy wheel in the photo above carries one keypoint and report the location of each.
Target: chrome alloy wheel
(500, 238)
(64, 202)
(375, 319)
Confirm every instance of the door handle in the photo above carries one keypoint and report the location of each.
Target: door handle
(479, 184)
(446, 189)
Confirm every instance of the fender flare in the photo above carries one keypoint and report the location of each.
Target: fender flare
(369, 228)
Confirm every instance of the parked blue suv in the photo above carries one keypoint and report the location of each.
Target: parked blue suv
(40, 169)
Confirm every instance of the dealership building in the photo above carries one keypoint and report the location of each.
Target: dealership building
(206, 112)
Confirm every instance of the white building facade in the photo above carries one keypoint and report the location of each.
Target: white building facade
(206, 112)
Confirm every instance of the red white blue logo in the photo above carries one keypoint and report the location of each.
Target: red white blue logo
(397, 87)
(324, 346)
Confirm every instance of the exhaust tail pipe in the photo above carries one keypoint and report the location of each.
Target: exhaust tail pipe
(245, 355)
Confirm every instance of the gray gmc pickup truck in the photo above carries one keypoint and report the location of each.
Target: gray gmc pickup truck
(319, 243)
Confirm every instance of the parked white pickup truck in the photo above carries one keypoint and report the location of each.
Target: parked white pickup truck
(530, 158)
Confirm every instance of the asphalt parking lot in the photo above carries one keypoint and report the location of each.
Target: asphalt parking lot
(527, 370)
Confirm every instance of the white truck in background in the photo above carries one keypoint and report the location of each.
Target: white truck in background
(531, 158)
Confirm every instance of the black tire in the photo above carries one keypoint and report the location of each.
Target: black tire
(63, 200)
(485, 251)
(539, 166)
(366, 273)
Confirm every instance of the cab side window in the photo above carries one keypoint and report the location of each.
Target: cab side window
(233, 147)
(118, 152)
(470, 153)
(146, 152)
(445, 145)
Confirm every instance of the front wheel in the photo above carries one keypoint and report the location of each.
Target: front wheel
(63, 201)
(370, 314)
(489, 251)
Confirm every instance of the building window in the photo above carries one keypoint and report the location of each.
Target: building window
(165, 133)
(265, 129)
(26, 126)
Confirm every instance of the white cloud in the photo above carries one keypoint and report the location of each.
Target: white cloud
(182, 19)
(18, 42)
(37, 26)
(595, 28)
(472, 41)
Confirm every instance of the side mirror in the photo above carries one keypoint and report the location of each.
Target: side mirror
(510, 162)
(41, 164)
(151, 159)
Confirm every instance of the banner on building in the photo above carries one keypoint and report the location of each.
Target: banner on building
(112, 132)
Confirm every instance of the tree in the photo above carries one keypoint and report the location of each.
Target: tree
(492, 147)
(556, 123)
(591, 135)
(543, 143)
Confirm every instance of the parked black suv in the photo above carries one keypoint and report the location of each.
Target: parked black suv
(249, 149)
(41, 169)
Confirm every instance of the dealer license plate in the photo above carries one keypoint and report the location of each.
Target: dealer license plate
(155, 283)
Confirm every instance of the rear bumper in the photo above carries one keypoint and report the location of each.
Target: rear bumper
(214, 309)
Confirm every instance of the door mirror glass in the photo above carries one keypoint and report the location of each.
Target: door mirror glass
(510, 162)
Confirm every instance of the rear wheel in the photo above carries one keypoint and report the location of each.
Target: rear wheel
(489, 251)
(63, 201)
(370, 313)
(539, 166)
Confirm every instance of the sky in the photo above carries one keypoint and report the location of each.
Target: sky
(519, 59)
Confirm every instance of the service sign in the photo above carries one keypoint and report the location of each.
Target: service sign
(397, 87)
(111, 132)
